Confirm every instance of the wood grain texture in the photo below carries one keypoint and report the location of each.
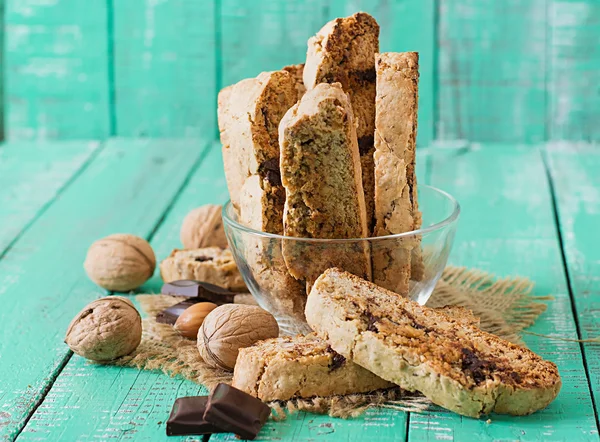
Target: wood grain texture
(574, 77)
(164, 68)
(101, 402)
(56, 69)
(42, 282)
(2, 100)
(574, 171)
(492, 70)
(507, 227)
(31, 176)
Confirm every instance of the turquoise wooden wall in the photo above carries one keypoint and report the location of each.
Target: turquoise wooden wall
(491, 70)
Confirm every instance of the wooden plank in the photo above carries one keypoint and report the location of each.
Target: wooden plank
(507, 227)
(42, 283)
(492, 67)
(56, 69)
(254, 39)
(574, 74)
(94, 401)
(574, 170)
(164, 68)
(406, 25)
(274, 35)
(2, 102)
(31, 176)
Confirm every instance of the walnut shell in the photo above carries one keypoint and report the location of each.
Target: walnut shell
(120, 262)
(105, 329)
(203, 227)
(230, 327)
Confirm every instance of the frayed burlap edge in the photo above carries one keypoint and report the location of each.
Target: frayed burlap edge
(505, 307)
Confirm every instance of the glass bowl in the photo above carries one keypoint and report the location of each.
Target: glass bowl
(265, 259)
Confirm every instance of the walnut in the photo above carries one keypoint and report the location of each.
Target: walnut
(203, 227)
(230, 327)
(105, 329)
(120, 262)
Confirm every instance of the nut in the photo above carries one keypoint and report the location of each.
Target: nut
(203, 227)
(230, 327)
(191, 319)
(120, 262)
(105, 329)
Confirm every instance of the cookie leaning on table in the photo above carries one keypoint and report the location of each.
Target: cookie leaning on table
(306, 366)
(344, 51)
(300, 366)
(320, 170)
(455, 365)
(395, 181)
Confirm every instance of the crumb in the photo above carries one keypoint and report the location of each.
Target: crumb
(489, 421)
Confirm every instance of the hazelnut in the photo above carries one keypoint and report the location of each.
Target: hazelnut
(203, 227)
(189, 322)
(120, 262)
(230, 327)
(105, 329)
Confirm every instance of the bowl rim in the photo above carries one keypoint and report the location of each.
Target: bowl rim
(437, 226)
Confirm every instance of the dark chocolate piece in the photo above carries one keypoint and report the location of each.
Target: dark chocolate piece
(236, 412)
(187, 417)
(192, 289)
(170, 315)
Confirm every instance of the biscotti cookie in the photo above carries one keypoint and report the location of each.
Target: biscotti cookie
(249, 115)
(344, 51)
(211, 264)
(297, 70)
(306, 366)
(300, 366)
(395, 181)
(320, 170)
(455, 365)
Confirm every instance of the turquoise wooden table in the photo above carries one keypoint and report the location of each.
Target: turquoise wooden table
(508, 123)
(527, 210)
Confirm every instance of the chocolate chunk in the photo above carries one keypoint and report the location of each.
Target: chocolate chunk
(270, 170)
(187, 417)
(236, 412)
(203, 259)
(365, 144)
(371, 320)
(475, 366)
(191, 289)
(170, 315)
(364, 76)
(337, 360)
(196, 291)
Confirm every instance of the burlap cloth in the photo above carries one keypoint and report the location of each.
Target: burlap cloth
(505, 307)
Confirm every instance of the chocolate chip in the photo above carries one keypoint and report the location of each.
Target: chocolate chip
(337, 361)
(365, 144)
(371, 320)
(270, 170)
(476, 367)
(365, 76)
(203, 258)
(515, 376)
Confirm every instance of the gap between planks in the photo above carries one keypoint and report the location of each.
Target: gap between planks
(563, 255)
(69, 355)
(49, 203)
